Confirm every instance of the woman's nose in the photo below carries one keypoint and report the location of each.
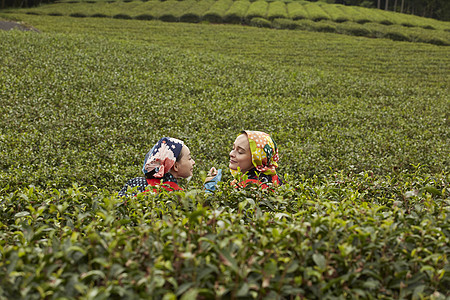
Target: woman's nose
(231, 153)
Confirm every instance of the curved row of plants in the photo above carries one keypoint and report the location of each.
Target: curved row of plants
(230, 11)
(294, 15)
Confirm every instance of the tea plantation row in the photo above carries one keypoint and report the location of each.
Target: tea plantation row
(346, 236)
(312, 16)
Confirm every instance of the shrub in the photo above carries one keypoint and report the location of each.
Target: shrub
(375, 15)
(296, 11)
(164, 10)
(122, 16)
(284, 24)
(355, 29)
(315, 12)
(428, 27)
(99, 15)
(257, 9)
(195, 12)
(355, 15)
(260, 22)
(168, 17)
(148, 10)
(335, 13)
(325, 26)
(78, 15)
(396, 36)
(305, 24)
(369, 233)
(217, 11)
(144, 17)
(277, 9)
(236, 13)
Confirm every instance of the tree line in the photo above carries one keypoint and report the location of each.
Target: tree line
(23, 3)
(437, 9)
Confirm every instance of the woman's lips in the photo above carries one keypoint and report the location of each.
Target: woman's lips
(233, 162)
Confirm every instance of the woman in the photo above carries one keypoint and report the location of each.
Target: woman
(169, 160)
(254, 154)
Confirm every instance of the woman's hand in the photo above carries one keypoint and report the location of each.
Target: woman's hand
(211, 174)
(214, 176)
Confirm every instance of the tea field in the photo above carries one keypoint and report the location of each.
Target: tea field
(301, 15)
(362, 126)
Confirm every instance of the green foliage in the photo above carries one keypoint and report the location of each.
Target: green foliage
(219, 11)
(381, 113)
(257, 9)
(194, 13)
(348, 234)
(296, 11)
(336, 13)
(356, 15)
(315, 12)
(362, 128)
(284, 24)
(260, 22)
(236, 13)
(277, 9)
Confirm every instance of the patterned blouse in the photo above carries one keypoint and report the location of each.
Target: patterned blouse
(141, 184)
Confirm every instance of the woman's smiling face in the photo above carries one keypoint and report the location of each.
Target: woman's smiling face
(240, 155)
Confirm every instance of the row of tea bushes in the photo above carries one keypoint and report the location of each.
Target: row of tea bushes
(345, 235)
(374, 30)
(241, 10)
(296, 15)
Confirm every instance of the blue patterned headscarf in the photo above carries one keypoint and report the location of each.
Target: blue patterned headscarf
(162, 156)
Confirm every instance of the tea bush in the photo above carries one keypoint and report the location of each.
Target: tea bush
(296, 11)
(277, 9)
(336, 13)
(236, 12)
(351, 235)
(217, 11)
(315, 12)
(257, 9)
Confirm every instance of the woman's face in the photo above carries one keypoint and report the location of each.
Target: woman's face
(185, 166)
(241, 156)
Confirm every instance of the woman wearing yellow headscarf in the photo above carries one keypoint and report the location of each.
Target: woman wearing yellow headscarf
(254, 154)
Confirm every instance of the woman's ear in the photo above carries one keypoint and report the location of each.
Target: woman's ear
(175, 166)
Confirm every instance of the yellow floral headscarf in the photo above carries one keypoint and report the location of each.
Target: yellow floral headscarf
(264, 152)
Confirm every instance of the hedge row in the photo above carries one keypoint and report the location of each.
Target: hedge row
(336, 13)
(257, 9)
(372, 30)
(216, 12)
(233, 11)
(296, 11)
(352, 236)
(253, 13)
